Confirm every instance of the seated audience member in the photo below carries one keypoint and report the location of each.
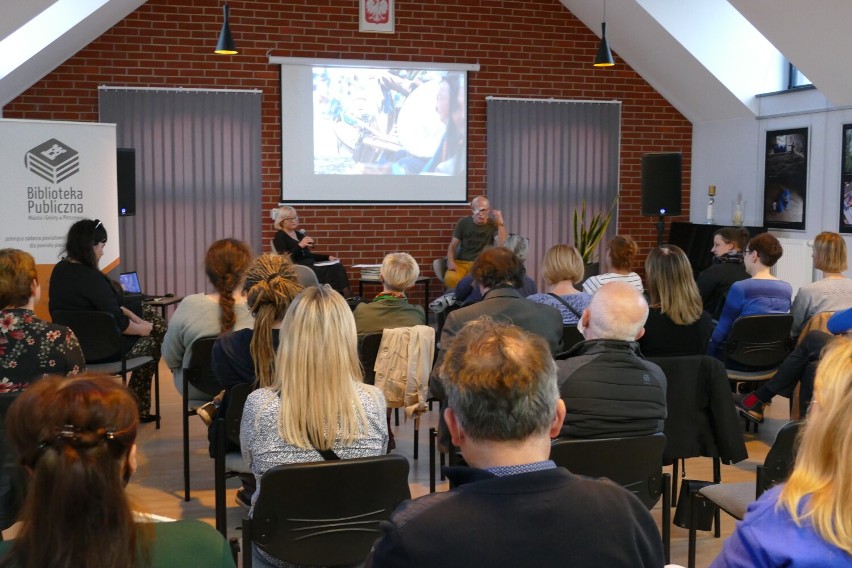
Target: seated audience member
(391, 308)
(806, 521)
(563, 268)
(471, 236)
(317, 402)
(799, 368)
(677, 323)
(206, 315)
(513, 506)
(467, 292)
(620, 252)
(833, 292)
(76, 437)
(30, 347)
(609, 390)
(76, 284)
(299, 246)
(761, 294)
(727, 268)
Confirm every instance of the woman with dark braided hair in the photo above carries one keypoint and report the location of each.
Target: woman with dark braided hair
(248, 355)
(76, 438)
(206, 315)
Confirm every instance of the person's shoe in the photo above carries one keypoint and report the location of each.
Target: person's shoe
(147, 418)
(207, 413)
(750, 407)
(441, 303)
(242, 499)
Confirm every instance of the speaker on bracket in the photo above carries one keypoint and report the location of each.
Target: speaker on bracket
(126, 170)
(661, 184)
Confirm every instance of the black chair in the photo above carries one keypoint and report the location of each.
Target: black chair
(200, 375)
(758, 344)
(634, 463)
(228, 463)
(12, 475)
(571, 336)
(104, 347)
(325, 513)
(734, 498)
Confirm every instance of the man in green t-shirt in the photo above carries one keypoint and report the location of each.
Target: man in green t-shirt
(471, 235)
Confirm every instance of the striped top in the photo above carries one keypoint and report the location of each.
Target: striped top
(593, 283)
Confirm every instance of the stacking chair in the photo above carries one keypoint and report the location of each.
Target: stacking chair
(306, 276)
(634, 463)
(200, 376)
(325, 513)
(734, 498)
(228, 463)
(104, 348)
(760, 343)
(571, 336)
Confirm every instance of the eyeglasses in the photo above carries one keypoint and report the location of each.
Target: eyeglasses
(296, 218)
(747, 251)
(480, 210)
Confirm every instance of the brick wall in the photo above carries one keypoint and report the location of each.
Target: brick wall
(532, 48)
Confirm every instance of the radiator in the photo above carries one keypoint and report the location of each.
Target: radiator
(796, 265)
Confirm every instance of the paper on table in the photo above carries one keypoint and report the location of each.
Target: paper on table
(367, 266)
(326, 262)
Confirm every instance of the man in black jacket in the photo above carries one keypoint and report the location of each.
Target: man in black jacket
(513, 507)
(609, 390)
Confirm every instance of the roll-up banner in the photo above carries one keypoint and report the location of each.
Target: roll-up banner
(53, 174)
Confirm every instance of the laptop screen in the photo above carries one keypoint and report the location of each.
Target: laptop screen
(130, 282)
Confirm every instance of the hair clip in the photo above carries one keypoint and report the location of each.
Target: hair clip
(68, 431)
(110, 434)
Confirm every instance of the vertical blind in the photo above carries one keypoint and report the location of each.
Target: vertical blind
(544, 158)
(198, 179)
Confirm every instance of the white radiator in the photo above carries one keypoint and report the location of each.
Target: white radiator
(796, 265)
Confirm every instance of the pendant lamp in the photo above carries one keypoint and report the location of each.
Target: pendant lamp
(226, 46)
(604, 56)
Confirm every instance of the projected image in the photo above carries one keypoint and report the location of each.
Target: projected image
(389, 122)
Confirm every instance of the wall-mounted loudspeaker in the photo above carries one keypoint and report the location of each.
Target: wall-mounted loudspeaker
(661, 184)
(126, 169)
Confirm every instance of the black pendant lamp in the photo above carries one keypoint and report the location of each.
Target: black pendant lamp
(604, 56)
(226, 46)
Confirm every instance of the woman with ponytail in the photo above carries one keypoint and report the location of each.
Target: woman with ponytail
(206, 315)
(76, 438)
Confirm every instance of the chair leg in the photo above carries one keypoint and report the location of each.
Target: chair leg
(433, 436)
(219, 482)
(396, 416)
(416, 436)
(247, 543)
(157, 395)
(185, 412)
(443, 463)
(667, 517)
(693, 521)
(717, 478)
(674, 481)
(234, 543)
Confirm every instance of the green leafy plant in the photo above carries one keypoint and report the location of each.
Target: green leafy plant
(588, 235)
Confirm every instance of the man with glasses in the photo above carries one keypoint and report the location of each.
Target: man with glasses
(471, 235)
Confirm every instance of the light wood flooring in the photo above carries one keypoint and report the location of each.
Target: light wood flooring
(157, 487)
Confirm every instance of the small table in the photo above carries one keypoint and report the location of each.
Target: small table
(421, 280)
(164, 303)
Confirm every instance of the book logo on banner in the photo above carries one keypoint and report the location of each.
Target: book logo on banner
(53, 160)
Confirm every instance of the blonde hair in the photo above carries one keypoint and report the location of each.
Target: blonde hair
(399, 271)
(830, 252)
(316, 370)
(283, 212)
(562, 262)
(270, 285)
(822, 474)
(672, 286)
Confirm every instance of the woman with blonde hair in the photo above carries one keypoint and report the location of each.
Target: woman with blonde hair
(318, 404)
(620, 252)
(391, 309)
(562, 270)
(677, 323)
(830, 294)
(807, 521)
(289, 240)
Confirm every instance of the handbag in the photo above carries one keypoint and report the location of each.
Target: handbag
(706, 509)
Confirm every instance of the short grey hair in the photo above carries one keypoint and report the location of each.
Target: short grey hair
(500, 381)
(617, 311)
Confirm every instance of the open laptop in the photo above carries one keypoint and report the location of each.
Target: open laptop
(130, 284)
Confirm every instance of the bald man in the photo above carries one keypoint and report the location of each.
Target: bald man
(609, 389)
(470, 237)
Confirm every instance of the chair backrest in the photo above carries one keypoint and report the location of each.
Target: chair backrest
(760, 341)
(234, 415)
(819, 322)
(571, 336)
(368, 351)
(439, 266)
(12, 475)
(98, 333)
(327, 513)
(199, 373)
(306, 276)
(779, 461)
(634, 463)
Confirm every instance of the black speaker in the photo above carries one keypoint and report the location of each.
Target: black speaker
(661, 184)
(126, 169)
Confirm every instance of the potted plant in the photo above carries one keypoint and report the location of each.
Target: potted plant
(587, 235)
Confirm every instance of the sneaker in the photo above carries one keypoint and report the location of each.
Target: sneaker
(441, 303)
(242, 499)
(754, 412)
(207, 413)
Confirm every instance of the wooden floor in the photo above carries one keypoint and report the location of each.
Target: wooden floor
(157, 487)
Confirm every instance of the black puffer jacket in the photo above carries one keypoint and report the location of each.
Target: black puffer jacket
(610, 391)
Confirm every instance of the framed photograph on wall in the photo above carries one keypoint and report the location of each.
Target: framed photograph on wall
(785, 185)
(846, 181)
(376, 16)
